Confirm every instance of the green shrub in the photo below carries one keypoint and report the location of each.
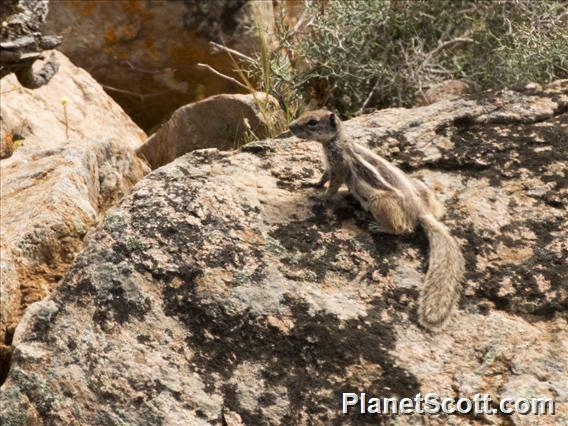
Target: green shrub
(350, 55)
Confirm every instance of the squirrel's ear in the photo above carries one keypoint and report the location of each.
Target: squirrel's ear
(333, 120)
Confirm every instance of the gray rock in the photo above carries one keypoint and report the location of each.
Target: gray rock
(21, 42)
(222, 289)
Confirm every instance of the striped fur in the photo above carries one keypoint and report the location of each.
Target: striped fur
(397, 202)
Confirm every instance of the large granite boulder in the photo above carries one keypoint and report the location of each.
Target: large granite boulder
(74, 157)
(223, 291)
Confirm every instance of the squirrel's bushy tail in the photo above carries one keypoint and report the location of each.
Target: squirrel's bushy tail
(441, 289)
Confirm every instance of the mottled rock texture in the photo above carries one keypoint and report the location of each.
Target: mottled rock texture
(145, 52)
(222, 121)
(21, 42)
(67, 169)
(223, 289)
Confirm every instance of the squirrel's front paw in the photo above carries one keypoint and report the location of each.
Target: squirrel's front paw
(329, 199)
(313, 184)
(321, 199)
(318, 184)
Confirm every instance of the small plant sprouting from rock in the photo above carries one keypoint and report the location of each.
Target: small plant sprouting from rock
(64, 102)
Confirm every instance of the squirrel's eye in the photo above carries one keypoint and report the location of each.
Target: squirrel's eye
(312, 123)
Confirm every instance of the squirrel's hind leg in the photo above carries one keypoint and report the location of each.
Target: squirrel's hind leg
(388, 210)
(429, 198)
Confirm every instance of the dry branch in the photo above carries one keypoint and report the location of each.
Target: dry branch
(226, 77)
(217, 46)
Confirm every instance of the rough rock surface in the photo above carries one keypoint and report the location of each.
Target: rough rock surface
(7, 146)
(54, 188)
(145, 52)
(222, 121)
(21, 42)
(222, 289)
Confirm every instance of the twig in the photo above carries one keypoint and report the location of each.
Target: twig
(141, 96)
(445, 45)
(368, 98)
(138, 68)
(231, 51)
(130, 64)
(300, 23)
(66, 117)
(226, 77)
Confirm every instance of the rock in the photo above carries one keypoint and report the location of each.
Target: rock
(222, 121)
(145, 53)
(21, 42)
(7, 146)
(68, 168)
(223, 289)
(90, 112)
(445, 90)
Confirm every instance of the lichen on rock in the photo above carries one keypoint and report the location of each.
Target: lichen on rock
(222, 289)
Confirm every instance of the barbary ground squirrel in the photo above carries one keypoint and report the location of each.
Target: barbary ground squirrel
(397, 202)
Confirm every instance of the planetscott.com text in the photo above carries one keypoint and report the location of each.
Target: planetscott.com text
(431, 403)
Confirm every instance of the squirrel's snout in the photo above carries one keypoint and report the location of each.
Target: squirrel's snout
(295, 129)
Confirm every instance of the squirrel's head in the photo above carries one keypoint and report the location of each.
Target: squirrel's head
(320, 125)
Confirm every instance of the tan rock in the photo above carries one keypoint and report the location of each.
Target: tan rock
(222, 121)
(445, 90)
(69, 167)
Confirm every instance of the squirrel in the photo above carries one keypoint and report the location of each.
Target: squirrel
(398, 203)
